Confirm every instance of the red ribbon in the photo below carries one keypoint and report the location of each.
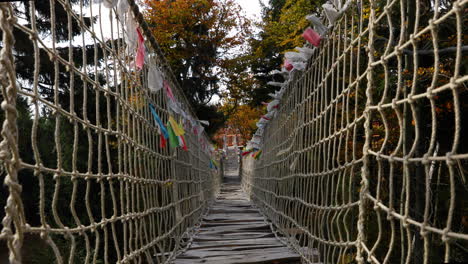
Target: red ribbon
(162, 141)
(312, 37)
(246, 153)
(288, 66)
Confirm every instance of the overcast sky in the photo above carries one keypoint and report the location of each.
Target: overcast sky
(251, 7)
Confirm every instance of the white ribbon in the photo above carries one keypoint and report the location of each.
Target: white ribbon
(331, 13)
(204, 122)
(122, 7)
(295, 57)
(307, 52)
(318, 26)
(110, 3)
(130, 33)
(283, 72)
(174, 106)
(155, 79)
(300, 66)
(337, 4)
(278, 84)
(272, 105)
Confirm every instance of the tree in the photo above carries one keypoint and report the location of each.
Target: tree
(281, 28)
(244, 119)
(47, 121)
(200, 38)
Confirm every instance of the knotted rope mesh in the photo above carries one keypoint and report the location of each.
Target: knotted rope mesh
(367, 157)
(87, 178)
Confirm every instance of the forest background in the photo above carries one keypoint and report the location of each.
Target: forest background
(217, 51)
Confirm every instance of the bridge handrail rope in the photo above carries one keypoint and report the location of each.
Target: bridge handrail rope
(365, 136)
(118, 188)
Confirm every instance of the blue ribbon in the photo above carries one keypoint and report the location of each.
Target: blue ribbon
(159, 122)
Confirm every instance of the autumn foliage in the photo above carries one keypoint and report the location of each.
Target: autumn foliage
(244, 119)
(198, 38)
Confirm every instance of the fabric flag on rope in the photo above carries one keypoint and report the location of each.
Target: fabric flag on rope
(246, 153)
(312, 37)
(122, 7)
(305, 51)
(273, 105)
(318, 26)
(204, 122)
(109, 3)
(178, 130)
(331, 13)
(140, 56)
(158, 121)
(162, 141)
(131, 34)
(295, 56)
(183, 143)
(277, 84)
(173, 139)
(155, 79)
(257, 154)
(168, 89)
(288, 66)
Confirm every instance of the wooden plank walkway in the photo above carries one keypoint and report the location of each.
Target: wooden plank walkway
(235, 232)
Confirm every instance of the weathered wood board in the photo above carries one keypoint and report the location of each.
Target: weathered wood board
(235, 232)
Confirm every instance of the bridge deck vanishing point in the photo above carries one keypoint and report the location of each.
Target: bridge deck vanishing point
(234, 231)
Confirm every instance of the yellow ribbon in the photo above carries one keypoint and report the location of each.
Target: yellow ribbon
(178, 130)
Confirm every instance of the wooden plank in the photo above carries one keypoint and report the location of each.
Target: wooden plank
(244, 259)
(234, 231)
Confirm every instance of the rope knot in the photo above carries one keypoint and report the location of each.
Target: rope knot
(389, 214)
(453, 83)
(405, 221)
(425, 159)
(394, 103)
(405, 160)
(445, 238)
(430, 94)
(448, 159)
(379, 106)
(423, 231)
(457, 7)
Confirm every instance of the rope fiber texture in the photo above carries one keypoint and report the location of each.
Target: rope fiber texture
(366, 160)
(101, 188)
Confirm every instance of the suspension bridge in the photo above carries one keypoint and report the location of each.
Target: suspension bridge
(363, 155)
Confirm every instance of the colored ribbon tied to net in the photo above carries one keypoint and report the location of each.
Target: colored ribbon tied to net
(173, 139)
(176, 127)
(312, 37)
(158, 122)
(168, 90)
(140, 56)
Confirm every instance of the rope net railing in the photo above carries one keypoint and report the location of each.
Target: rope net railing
(367, 157)
(87, 176)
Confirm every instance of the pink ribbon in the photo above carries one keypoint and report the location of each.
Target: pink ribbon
(140, 56)
(168, 89)
(312, 37)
